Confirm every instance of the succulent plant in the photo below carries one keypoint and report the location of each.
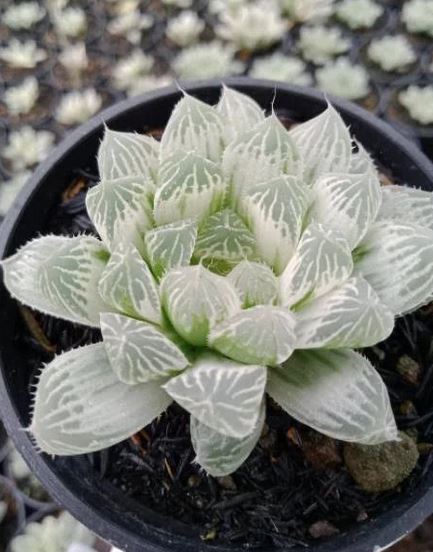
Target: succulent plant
(78, 106)
(130, 68)
(278, 66)
(219, 6)
(418, 100)
(320, 44)
(417, 15)
(27, 146)
(23, 15)
(131, 24)
(300, 11)
(358, 14)
(342, 78)
(69, 22)
(185, 29)
(236, 258)
(74, 59)
(392, 53)
(23, 55)
(178, 3)
(150, 82)
(207, 60)
(20, 99)
(9, 190)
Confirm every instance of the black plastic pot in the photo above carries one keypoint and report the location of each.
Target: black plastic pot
(71, 481)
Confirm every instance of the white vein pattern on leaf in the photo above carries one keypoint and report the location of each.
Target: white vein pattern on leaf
(255, 283)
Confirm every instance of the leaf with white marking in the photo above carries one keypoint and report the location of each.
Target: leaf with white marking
(324, 143)
(127, 284)
(219, 454)
(221, 393)
(349, 316)
(139, 352)
(262, 335)
(240, 113)
(361, 161)
(337, 393)
(396, 258)
(193, 126)
(81, 406)
(170, 246)
(401, 203)
(121, 209)
(195, 299)
(255, 283)
(275, 211)
(59, 276)
(347, 203)
(322, 261)
(190, 187)
(127, 154)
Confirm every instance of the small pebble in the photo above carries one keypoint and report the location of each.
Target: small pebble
(409, 369)
(322, 529)
(321, 451)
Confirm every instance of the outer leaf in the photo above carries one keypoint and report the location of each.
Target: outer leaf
(191, 187)
(81, 406)
(224, 395)
(240, 113)
(347, 203)
(255, 283)
(193, 126)
(324, 143)
(170, 246)
(397, 259)
(262, 335)
(121, 209)
(275, 212)
(361, 161)
(338, 393)
(127, 154)
(349, 316)
(195, 300)
(322, 261)
(219, 454)
(401, 203)
(59, 276)
(138, 352)
(127, 285)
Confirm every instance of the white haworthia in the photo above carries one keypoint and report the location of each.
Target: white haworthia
(401, 203)
(195, 300)
(219, 454)
(170, 245)
(239, 112)
(361, 161)
(127, 154)
(322, 261)
(262, 335)
(193, 126)
(396, 259)
(127, 284)
(121, 209)
(347, 203)
(139, 352)
(81, 406)
(348, 316)
(59, 276)
(221, 393)
(255, 283)
(338, 393)
(275, 211)
(190, 186)
(324, 142)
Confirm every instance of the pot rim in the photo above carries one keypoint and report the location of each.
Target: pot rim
(380, 531)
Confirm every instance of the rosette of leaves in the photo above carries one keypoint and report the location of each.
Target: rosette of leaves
(236, 259)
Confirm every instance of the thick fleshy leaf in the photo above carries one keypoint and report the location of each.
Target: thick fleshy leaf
(139, 352)
(262, 335)
(59, 276)
(396, 258)
(322, 261)
(401, 203)
(121, 209)
(127, 284)
(195, 300)
(255, 283)
(127, 154)
(190, 187)
(194, 126)
(240, 113)
(275, 211)
(361, 161)
(347, 203)
(219, 454)
(349, 316)
(170, 246)
(338, 393)
(81, 406)
(221, 393)
(324, 143)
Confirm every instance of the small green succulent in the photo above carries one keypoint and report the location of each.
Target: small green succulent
(236, 258)
(392, 53)
(320, 44)
(358, 14)
(418, 100)
(278, 66)
(417, 15)
(343, 78)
